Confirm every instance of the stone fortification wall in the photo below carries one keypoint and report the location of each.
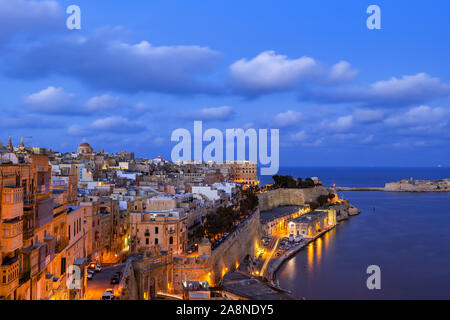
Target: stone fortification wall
(289, 197)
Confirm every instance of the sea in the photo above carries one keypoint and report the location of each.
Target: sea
(405, 235)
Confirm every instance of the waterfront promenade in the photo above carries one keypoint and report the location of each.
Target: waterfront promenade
(274, 264)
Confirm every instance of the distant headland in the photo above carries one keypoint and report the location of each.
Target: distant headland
(412, 185)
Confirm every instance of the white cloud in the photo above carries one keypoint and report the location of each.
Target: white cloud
(419, 116)
(51, 100)
(106, 60)
(55, 101)
(29, 17)
(343, 123)
(395, 92)
(102, 103)
(369, 115)
(300, 136)
(287, 119)
(409, 87)
(111, 125)
(222, 113)
(368, 139)
(342, 71)
(269, 72)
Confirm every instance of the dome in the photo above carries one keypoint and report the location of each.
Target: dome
(85, 148)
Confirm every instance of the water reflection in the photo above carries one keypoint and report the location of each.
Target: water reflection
(318, 250)
(291, 269)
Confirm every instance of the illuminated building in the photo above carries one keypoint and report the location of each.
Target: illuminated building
(165, 229)
(85, 149)
(312, 223)
(244, 172)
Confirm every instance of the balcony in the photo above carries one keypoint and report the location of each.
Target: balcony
(11, 235)
(12, 203)
(61, 245)
(46, 252)
(9, 277)
(28, 200)
(43, 189)
(30, 260)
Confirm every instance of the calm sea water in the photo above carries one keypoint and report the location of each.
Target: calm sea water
(407, 235)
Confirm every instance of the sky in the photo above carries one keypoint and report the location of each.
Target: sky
(340, 93)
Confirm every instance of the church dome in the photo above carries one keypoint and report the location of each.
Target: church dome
(85, 148)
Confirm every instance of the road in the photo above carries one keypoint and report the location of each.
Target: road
(275, 246)
(101, 281)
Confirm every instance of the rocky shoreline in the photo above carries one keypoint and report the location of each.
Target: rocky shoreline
(344, 210)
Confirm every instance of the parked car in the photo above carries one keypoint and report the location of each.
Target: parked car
(108, 294)
(90, 274)
(95, 267)
(298, 238)
(115, 279)
(291, 238)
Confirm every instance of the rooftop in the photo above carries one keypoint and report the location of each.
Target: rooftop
(310, 216)
(72, 208)
(275, 213)
(253, 289)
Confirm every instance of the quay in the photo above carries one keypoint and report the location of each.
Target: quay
(276, 263)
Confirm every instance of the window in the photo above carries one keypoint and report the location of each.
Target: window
(171, 240)
(63, 265)
(69, 232)
(156, 230)
(147, 241)
(156, 240)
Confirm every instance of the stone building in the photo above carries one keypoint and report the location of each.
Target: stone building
(26, 217)
(275, 221)
(312, 223)
(85, 149)
(164, 228)
(244, 172)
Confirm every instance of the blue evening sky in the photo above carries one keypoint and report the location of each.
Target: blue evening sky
(341, 94)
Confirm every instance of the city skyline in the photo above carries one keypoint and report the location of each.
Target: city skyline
(133, 74)
(212, 151)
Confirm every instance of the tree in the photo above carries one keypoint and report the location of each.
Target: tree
(249, 203)
(290, 182)
(219, 222)
(313, 205)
